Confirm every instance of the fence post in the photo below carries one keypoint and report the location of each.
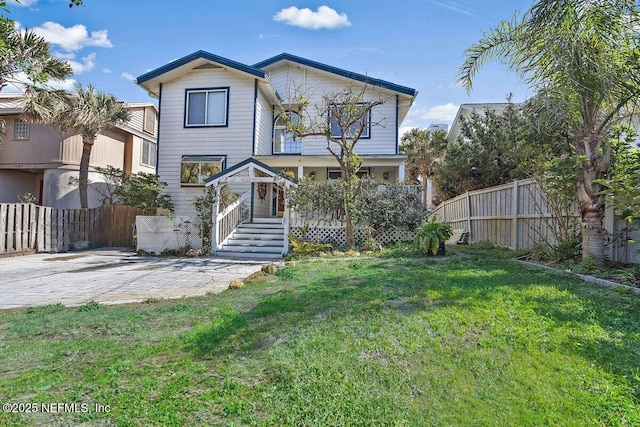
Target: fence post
(25, 226)
(11, 228)
(33, 225)
(40, 239)
(3, 229)
(514, 211)
(469, 215)
(17, 227)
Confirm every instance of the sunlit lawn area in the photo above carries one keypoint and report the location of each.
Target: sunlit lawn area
(379, 342)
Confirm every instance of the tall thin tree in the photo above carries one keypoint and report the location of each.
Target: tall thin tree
(86, 112)
(424, 149)
(343, 117)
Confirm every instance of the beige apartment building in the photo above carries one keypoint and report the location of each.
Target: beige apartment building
(37, 159)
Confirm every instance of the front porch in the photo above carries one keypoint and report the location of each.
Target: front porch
(257, 224)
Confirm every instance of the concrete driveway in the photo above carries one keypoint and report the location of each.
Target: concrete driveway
(112, 276)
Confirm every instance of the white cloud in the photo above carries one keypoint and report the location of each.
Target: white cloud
(23, 3)
(324, 17)
(67, 85)
(73, 38)
(127, 76)
(267, 36)
(439, 114)
(87, 64)
(65, 56)
(15, 87)
(106, 70)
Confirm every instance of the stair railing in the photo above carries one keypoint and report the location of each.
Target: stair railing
(228, 220)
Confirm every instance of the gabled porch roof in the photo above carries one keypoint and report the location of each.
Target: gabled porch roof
(250, 165)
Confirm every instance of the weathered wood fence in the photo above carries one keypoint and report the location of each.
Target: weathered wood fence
(25, 227)
(515, 215)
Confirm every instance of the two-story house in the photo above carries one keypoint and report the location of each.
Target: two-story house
(37, 159)
(216, 113)
(220, 118)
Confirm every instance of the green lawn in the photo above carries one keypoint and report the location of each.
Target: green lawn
(391, 342)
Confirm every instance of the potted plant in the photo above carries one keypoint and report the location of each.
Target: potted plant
(431, 235)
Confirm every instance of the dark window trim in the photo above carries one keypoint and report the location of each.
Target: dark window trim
(273, 134)
(203, 89)
(195, 156)
(368, 123)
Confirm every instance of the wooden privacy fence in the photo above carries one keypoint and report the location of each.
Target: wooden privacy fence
(25, 227)
(515, 215)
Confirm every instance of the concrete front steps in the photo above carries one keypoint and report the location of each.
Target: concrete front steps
(261, 239)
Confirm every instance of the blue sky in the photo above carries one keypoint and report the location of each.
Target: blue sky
(417, 43)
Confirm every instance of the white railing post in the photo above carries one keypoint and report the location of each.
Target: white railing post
(286, 221)
(214, 216)
(228, 220)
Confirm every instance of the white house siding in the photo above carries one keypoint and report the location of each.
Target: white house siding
(264, 126)
(235, 141)
(289, 79)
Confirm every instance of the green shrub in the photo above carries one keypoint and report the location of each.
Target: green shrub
(431, 233)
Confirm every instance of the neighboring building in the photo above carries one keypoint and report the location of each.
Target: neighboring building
(37, 159)
(465, 111)
(219, 115)
(433, 127)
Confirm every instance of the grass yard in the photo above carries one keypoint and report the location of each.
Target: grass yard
(391, 342)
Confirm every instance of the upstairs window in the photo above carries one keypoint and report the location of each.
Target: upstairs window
(364, 125)
(206, 107)
(149, 153)
(194, 170)
(149, 122)
(283, 141)
(20, 129)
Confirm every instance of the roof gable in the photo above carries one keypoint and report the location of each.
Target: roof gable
(201, 54)
(246, 164)
(337, 71)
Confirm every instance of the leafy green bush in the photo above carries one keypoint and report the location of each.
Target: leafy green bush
(431, 233)
(144, 190)
(305, 247)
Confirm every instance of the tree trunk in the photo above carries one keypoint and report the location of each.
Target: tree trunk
(84, 173)
(592, 225)
(349, 232)
(591, 197)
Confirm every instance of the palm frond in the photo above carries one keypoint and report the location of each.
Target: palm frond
(497, 44)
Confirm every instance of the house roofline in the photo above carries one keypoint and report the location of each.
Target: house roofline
(200, 54)
(337, 71)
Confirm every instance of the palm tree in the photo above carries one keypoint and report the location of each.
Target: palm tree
(85, 112)
(584, 54)
(424, 150)
(25, 60)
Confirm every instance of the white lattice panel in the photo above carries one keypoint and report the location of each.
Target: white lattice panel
(159, 233)
(337, 236)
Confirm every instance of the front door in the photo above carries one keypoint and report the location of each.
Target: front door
(277, 202)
